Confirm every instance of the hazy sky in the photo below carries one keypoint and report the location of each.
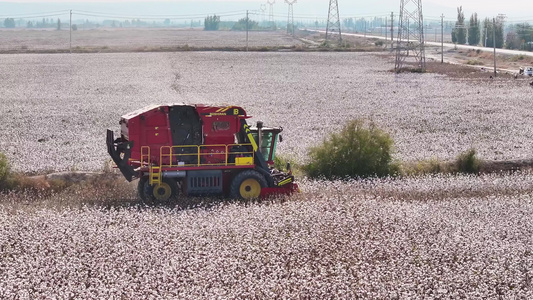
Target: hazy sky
(515, 10)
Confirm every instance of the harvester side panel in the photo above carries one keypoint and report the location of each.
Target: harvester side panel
(153, 130)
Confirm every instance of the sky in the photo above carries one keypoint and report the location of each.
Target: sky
(514, 10)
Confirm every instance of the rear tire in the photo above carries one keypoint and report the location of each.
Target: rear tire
(247, 185)
(165, 192)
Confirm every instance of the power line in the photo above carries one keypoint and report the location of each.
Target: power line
(161, 16)
(36, 15)
(155, 17)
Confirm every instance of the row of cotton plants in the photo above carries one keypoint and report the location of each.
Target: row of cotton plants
(336, 240)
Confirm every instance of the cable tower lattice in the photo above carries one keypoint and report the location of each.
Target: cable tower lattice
(410, 42)
(262, 9)
(290, 17)
(334, 24)
(271, 11)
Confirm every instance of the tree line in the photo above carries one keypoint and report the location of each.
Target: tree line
(490, 33)
(213, 23)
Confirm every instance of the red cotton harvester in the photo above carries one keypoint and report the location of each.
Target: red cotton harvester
(198, 150)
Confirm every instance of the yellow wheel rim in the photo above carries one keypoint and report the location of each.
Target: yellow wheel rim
(162, 191)
(250, 188)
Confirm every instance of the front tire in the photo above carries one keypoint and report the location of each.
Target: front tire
(165, 192)
(247, 185)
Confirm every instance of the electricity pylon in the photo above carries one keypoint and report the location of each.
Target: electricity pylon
(410, 42)
(290, 17)
(262, 9)
(271, 11)
(334, 24)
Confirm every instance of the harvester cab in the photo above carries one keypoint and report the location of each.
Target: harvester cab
(198, 150)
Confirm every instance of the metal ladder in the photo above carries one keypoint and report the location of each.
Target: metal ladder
(155, 175)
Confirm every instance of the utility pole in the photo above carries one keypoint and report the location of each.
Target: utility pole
(386, 31)
(494, 42)
(486, 37)
(70, 44)
(442, 38)
(247, 30)
(392, 26)
(391, 30)
(334, 23)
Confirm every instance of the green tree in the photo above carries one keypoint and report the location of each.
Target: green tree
(474, 32)
(493, 33)
(500, 38)
(512, 41)
(459, 32)
(9, 23)
(244, 23)
(58, 24)
(525, 34)
(348, 23)
(487, 33)
(212, 22)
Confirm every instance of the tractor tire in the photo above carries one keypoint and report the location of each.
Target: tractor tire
(247, 185)
(164, 193)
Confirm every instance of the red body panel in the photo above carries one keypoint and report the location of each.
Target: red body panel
(150, 126)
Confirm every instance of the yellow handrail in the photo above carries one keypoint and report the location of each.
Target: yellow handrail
(174, 156)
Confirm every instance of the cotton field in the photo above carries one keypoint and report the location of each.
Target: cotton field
(56, 108)
(137, 39)
(371, 240)
(429, 237)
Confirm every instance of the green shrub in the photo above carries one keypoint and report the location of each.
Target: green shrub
(358, 150)
(5, 172)
(467, 162)
(379, 43)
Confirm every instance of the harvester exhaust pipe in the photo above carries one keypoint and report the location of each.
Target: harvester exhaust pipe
(260, 135)
(115, 150)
